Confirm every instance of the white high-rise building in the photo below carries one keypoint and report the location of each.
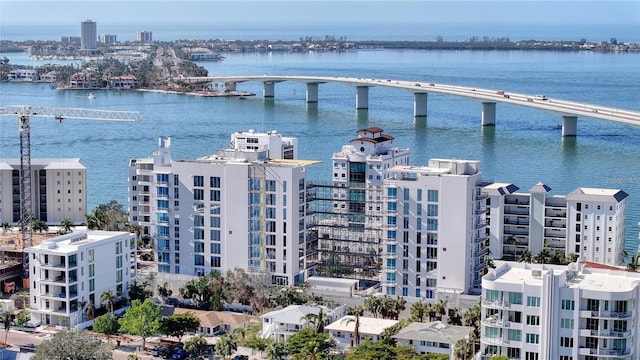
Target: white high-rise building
(108, 39)
(582, 311)
(347, 215)
(58, 190)
(241, 208)
(434, 229)
(70, 270)
(144, 36)
(88, 35)
(589, 223)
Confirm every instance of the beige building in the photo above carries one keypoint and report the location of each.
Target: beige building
(59, 190)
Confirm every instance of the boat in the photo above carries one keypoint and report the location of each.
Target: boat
(91, 96)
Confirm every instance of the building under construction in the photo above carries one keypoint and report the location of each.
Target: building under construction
(346, 216)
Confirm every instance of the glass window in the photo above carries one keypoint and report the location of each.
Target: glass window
(533, 301)
(514, 335)
(515, 298)
(198, 181)
(432, 195)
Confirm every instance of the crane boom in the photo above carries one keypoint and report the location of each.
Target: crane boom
(70, 113)
(24, 113)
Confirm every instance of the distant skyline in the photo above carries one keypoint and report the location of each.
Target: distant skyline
(319, 12)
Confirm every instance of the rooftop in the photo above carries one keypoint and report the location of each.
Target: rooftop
(435, 331)
(368, 325)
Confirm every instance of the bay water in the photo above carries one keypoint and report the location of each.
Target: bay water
(524, 148)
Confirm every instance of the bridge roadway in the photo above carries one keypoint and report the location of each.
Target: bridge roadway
(568, 110)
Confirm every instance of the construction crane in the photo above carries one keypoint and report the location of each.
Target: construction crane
(24, 113)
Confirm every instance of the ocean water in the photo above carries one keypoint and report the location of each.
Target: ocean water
(524, 148)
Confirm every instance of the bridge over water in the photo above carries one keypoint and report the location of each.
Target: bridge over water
(568, 110)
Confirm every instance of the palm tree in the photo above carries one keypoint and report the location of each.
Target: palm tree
(542, 257)
(276, 351)
(440, 308)
(399, 304)
(355, 312)
(463, 349)
(109, 297)
(5, 318)
(39, 225)
(526, 257)
(634, 265)
(226, 346)
(5, 227)
(91, 311)
(373, 304)
(418, 311)
(318, 321)
(196, 345)
(66, 225)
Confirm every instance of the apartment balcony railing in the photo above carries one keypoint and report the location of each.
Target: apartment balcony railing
(496, 323)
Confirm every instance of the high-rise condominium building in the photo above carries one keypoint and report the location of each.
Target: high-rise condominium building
(68, 271)
(346, 214)
(588, 222)
(144, 36)
(88, 35)
(58, 186)
(583, 311)
(108, 39)
(434, 229)
(241, 208)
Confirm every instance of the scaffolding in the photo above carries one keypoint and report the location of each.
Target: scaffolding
(344, 230)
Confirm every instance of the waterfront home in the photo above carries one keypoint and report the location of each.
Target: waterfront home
(23, 75)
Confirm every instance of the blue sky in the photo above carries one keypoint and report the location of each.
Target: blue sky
(319, 12)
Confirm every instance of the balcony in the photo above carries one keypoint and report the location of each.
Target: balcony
(605, 314)
(604, 352)
(498, 304)
(496, 323)
(605, 333)
(494, 341)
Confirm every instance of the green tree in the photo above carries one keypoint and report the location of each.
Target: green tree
(39, 225)
(355, 312)
(107, 324)
(307, 344)
(72, 345)
(440, 308)
(109, 297)
(463, 349)
(5, 318)
(373, 305)
(114, 215)
(526, 257)
(65, 226)
(5, 227)
(196, 345)
(142, 319)
(256, 342)
(499, 357)
(276, 351)
(226, 346)
(418, 311)
(164, 290)
(455, 318)
(180, 324)
(139, 291)
(317, 321)
(472, 317)
(91, 310)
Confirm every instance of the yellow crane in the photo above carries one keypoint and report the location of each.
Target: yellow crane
(24, 113)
